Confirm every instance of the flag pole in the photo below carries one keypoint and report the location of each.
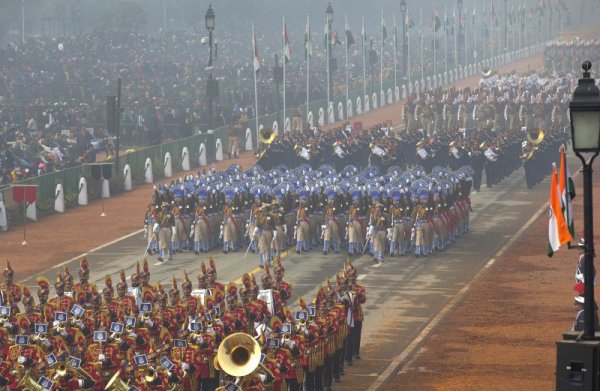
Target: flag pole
(327, 43)
(364, 62)
(347, 82)
(456, 30)
(434, 41)
(446, 41)
(408, 49)
(255, 87)
(422, 62)
(395, 57)
(24, 242)
(381, 95)
(284, 61)
(307, 50)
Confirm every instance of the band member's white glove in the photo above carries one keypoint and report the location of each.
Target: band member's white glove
(101, 357)
(192, 229)
(185, 366)
(145, 232)
(22, 360)
(221, 232)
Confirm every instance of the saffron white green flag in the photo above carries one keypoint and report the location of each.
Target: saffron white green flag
(558, 232)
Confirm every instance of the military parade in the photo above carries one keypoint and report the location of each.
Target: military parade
(183, 337)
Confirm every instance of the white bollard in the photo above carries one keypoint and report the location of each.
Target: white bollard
(105, 188)
(168, 165)
(127, 182)
(417, 85)
(249, 144)
(397, 93)
(82, 198)
(321, 121)
(410, 88)
(148, 174)
(219, 150)
(3, 218)
(287, 126)
(374, 101)
(340, 111)
(381, 98)
(349, 112)
(59, 199)
(390, 98)
(358, 106)
(185, 159)
(403, 91)
(428, 82)
(31, 212)
(310, 119)
(202, 155)
(330, 113)
(367, 106)
(275, 128)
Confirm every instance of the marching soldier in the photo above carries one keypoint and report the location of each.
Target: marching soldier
(162, 227)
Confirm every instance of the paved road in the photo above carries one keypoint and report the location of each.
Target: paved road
(404, 294)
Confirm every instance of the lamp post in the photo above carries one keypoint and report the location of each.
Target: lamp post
(577, 362)
(585, 131)
(278, 79)
(212, 86)
(330, 65)
(404, 41)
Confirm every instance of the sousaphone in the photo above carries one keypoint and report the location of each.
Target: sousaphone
(535, 137)
(266, 136)
(486, 72)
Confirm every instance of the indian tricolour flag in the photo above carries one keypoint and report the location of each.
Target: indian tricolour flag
(558, 232)
(567, 190)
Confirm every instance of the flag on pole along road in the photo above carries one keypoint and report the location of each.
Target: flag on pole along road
(349, 36)
(307, 44)
(287, 49)
(255, 50)
(435, 22)
(395, 32)
(567, 190)
(383, 29)
(558, 232)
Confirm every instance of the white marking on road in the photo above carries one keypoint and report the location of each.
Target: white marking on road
(404, 359)
(86, 253)
(361, 277)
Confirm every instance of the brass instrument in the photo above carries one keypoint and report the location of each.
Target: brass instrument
(528, 151)
(129, 328)
(27, 383)
(61, 370)
(483, 145)
(116, 383)
(266, 136)
(238, 355)
(539, 137)
(150, 375)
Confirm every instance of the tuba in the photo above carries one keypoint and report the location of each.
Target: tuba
(539, 137)
(239, 355)
(266, 136)
(27, 383)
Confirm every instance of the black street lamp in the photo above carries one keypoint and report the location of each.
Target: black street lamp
(585, 130)
(212, 85)
(577, 362)
(404, 41)
(330, 65)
